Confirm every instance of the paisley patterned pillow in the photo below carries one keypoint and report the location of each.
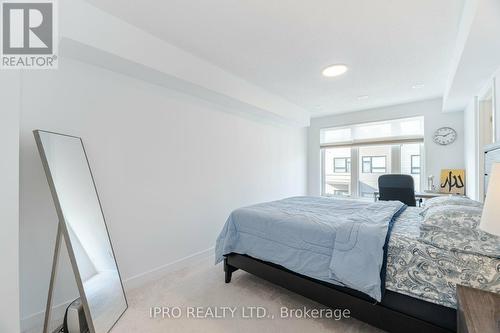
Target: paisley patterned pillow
(454, 228)
(449, 200)
(453, 216)
(465, 240)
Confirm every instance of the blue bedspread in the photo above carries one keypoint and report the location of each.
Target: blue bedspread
(333, 240)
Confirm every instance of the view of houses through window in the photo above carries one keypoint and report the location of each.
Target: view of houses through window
(374, 164)
(373, 161)
(341, 164)
(352, 168)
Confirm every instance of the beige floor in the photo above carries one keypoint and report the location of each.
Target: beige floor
(204, 286)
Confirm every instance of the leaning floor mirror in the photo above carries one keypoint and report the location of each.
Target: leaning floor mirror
(83, 228)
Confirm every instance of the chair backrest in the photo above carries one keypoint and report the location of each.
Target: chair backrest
(397, 187)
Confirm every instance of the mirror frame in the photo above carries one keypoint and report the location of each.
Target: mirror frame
(62, 228)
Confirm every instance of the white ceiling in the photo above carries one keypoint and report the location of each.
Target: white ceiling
(282, 46)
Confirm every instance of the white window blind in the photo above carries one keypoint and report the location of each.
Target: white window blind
(382, 132)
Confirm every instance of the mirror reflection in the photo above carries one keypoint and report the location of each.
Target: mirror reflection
(89, 245)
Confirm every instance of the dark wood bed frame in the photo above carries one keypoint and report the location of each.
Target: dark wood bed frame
(396, 312)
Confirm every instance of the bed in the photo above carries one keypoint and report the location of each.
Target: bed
(417, 278)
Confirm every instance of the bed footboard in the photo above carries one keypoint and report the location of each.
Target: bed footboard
(396, 313)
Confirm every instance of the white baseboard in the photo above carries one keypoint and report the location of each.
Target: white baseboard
(154, 274)
(34, 321)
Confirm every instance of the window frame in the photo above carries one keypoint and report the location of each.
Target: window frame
(370, 162)
(413, 167)
(347, 168)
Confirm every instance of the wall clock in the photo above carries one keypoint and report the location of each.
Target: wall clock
(444, 136)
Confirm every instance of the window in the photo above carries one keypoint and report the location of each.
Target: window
(415, 164)
(375, 161)
(374, 164)
(353, 157)
(341, 164)
(342, 190)
(336, 171)
(411, 162)
(390, 130)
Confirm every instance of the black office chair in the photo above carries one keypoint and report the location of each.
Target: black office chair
(397, 187)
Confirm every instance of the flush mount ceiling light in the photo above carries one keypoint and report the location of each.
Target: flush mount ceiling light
(334, 70)
(362, 97)
(418, 86)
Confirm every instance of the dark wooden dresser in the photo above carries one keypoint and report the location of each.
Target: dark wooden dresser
(478, 311)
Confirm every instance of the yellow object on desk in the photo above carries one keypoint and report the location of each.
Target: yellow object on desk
(452, 181)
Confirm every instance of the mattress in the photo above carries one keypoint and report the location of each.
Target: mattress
(431, 273)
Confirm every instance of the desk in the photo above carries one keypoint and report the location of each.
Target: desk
(420, 195)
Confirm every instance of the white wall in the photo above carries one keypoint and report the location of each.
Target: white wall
(437, 157)
(474, 130)
(169, 168)
(9, 201)
(471, 150)
(496, 92)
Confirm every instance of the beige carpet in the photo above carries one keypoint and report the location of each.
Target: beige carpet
(204, 287)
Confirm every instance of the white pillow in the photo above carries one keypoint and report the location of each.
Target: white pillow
(448, 201)
(452, 216)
